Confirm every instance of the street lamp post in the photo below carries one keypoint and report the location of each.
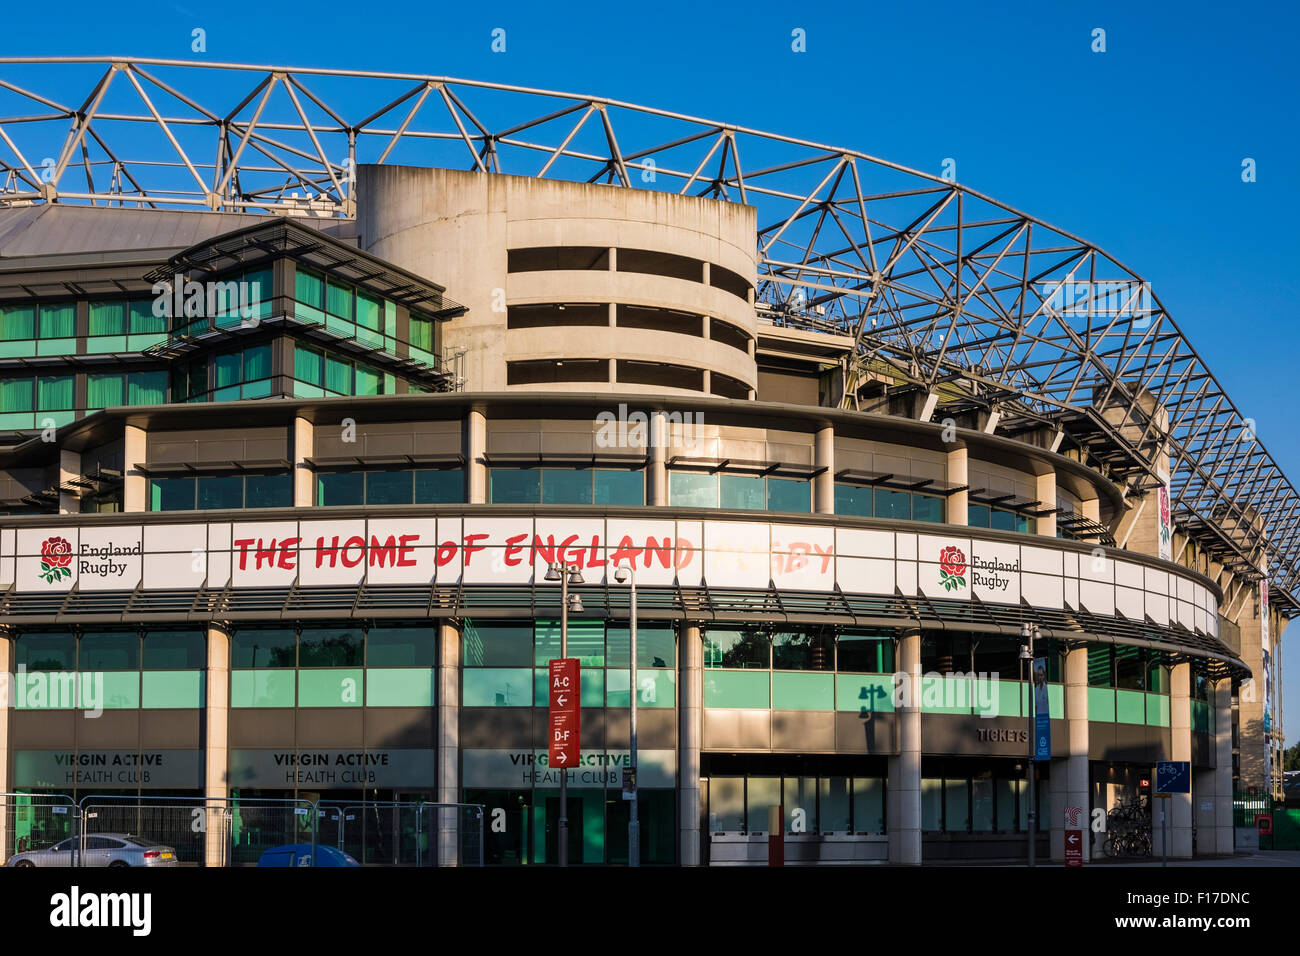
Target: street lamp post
(627, 572)
(566, 575)
(1028, 633)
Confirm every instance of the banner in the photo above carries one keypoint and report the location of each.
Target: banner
(1042, 712)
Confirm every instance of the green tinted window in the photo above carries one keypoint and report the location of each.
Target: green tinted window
(853, 500)
(439, 486)
(562, 486)
(401, 647)
(388, 488)
(109, 651)
(927, 508)
(618, 487)
(264, 647)
(329, 647)
(893, 504)
(17, 322)
(514, 486)
(340, 488)
(689, 489)
(171, 494)
(308, 365)
(497, 645)
(788, 494)
(175, 650)
(47, 652)
(744, 492)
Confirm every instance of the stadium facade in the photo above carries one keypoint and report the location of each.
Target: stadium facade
(281, 478)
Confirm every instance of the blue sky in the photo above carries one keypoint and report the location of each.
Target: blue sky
(1138, 149)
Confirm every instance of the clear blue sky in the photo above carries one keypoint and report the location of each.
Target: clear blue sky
(1138, 149)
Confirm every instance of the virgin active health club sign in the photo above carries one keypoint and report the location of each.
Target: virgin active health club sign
(470, 550)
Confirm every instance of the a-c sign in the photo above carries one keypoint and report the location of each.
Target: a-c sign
(564, 677)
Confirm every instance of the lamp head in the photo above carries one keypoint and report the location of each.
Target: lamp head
(575, 575)
(552, 572)
(575, 604)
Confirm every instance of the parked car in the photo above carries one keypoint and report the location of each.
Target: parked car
(300, 854)
(102, 849)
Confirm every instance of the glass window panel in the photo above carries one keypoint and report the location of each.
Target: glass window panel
(338, 375)
(55, 393)
(864, 654)
(1130, 668)
(927, 508)
(803, 691)
(513, 486)
(421, 332)
(339, 300)
(340, 488)
(736, 648)
(982, 804)
(175, 650)
(688, 489)
(172, 689)
(564, 486)
(104, 390)
(389, 488)
(809, 649)
(17, 322)
(47, 652)
(59, 321)
(107, 318)
(498, 645)
(262, 688)
(109, 651)
(893, 504)
(329, 647)
(1099, 667)
(400, 687)
(257, 647)
(401, 647)
(868, 805)
(726, 804)
(744, 492)
(17, 394)
(268, 491)
(789, 494)
(977, 516)
(221, 491)
(309, 288)
(853, 500)
(612, 487)
(1001, 520)
(586, 641)
(743, 690)
(439, 486)
(1026, 524)
(1006, 797)
(762, 793)
(834, 799)
(931, 804)
(308, 364)
(799, 796)
(257, 363)
(369, 312)
(259, 284)
(147, 388)
(497, 687)
(369, 381)
(171, 494)
(656, 646)
(142, 318)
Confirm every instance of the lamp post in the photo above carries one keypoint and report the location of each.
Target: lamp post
(627, 572)
(1028, 633)
(566, 575)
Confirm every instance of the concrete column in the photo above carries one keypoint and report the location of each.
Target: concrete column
(656, 477)
(904, 793)
(476, 478)
(448, 704)
(135, 487)
(1179, 806)
(69, 468)
(690, 717)
(1073, 784)
(1045, 491)
(958, 474)
(1090, 508)
(303, 444)
(1223, 828)
(824, 484)
(216, 743)
(6, 708)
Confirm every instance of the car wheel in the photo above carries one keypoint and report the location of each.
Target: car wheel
(118, 863)
(24, 863)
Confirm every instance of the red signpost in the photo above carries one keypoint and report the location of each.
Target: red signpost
(1074, 848)
(565, 740)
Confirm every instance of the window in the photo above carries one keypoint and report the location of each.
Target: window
(421, 334)
(220, 492)
(244, 374)
(901, 505)
(740, 648)
(567, 486)
(421, 486)
(999, 519)
(688, 489)
(107, 389)
(320, 373)
(26, 402)
(110, 323)
(830, 804)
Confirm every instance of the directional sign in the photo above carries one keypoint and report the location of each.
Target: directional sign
(565, 714)
(1074, 848)
(1173, 776)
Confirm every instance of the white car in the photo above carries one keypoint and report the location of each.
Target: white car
(100, 849)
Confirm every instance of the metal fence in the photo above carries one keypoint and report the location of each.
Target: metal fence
(237, 831)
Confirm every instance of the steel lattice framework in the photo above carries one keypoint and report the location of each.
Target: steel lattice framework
(945, 291)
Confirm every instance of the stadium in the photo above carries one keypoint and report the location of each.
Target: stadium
(310, 379)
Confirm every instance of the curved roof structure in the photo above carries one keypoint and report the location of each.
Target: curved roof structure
(943, 288)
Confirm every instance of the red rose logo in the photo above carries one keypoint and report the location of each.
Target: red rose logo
(952, 568)
(56, 560)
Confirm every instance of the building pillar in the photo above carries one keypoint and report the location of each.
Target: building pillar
(958, 474)
(690, 716)
(657, 469)
(1225, 832)
(1179, 806)
(135, 487)
(216, 742)
(824, 483)
(69, 468)
(1045, 491)
(1073, 786)
(303, 444)
(448, 704)
(476, 478)
(903, 815)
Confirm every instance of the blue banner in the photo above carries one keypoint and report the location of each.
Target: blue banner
(1042, 712)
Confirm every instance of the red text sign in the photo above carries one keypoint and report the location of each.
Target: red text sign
(1074, 848)
(564, 680)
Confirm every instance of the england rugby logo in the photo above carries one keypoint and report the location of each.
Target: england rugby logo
(952, 568)
(56, 560)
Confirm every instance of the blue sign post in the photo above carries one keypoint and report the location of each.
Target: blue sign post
(1172, 776)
